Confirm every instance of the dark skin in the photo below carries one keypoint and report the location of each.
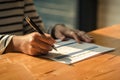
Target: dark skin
(62, 32)
(35, 43)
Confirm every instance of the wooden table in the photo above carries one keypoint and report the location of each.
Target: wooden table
(15, 66)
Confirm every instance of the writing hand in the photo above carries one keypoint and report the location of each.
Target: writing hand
(32, 44)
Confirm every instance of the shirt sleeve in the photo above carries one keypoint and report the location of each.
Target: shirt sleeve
(4, 41)
(30, 8)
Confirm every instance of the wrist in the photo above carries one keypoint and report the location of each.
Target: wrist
(14, 45)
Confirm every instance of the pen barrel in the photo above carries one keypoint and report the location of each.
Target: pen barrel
(36, 28)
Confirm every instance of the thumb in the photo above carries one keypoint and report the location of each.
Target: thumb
(62, 38)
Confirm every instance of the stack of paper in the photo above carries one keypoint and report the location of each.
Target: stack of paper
(70, 51)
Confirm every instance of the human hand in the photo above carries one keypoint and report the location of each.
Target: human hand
(62, 32)
(32, 44)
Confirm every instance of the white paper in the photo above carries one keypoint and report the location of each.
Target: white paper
(70, 51)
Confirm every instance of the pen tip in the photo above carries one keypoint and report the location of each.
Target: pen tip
(54, 48)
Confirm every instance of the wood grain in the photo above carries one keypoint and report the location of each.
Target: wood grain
(18, 66)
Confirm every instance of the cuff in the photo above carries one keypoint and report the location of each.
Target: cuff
(4, 41)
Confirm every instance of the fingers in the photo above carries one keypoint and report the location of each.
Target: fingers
(85, 37)
(35, 44)
(46, 39)
(42, 45)
(62, 32)
(79, 35)
(75, 36)
(33, 50)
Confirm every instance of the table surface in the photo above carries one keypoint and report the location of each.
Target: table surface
(14, 66)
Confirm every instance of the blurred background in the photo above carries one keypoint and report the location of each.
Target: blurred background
(85, 15)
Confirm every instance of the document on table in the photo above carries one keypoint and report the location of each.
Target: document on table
(70, 51)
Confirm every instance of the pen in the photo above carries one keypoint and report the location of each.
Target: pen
(36, 28)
